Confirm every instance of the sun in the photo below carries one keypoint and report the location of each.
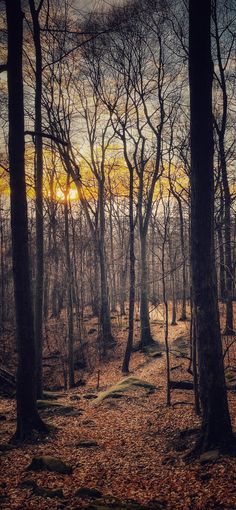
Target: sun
(72, 195)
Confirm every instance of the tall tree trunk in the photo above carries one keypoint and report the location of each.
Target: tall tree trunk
(39, 280)
(27, 414)
(2, 266)
(70, 319)
(107, 338)
(216, 426)
(112, 269)
(221, 132)
(125, 366)
(183, 316)
(95, 282)
(146, 337)
(222, 263)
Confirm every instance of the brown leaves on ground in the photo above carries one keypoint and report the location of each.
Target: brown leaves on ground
(136, 451)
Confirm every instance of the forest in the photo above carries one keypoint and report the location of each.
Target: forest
(117, 254)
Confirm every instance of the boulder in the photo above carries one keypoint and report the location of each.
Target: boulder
(86, 443)
(88, 492)
(41, 491)
(48, 463)
(123, 386)
(209, 456)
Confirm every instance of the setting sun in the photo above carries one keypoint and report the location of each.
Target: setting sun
(72, 195)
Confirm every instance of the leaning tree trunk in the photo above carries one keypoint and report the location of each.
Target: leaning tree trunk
(27, 414)
(216, 431)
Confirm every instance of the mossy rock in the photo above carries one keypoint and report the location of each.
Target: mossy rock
(209, 456)
(52, 395)
(57, 408)
(182, 343)
(45, 404)
(123, 386)
(41, 491)
(155, 354)
(47, 463)
(88, 492)
(154, 347)
(229, 375)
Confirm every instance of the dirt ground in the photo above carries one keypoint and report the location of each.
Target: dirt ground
(137, 444)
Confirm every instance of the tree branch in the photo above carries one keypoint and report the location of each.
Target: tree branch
(46, 135)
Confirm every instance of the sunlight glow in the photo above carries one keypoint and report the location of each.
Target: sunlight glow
(73, 194)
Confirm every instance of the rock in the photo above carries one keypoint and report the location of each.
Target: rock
(51, 395)
(181, 385)
(129, 383)
(111, 503)
(27, 483)
(86, 443)
(7, 447)
(115, 394)
(170, 460)
(55, 407)
(153, 348)
(45, 404)
(210, 456)
(41, 491)
(87, 492)
(71, 412)
(204, 477)
(155, 354)
(88, 423)
(47, 463)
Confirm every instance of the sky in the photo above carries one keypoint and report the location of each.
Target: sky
(91, 5)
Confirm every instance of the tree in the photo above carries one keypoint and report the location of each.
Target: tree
(27, 414)
(216, 429)
(221, 123)
(38, 308)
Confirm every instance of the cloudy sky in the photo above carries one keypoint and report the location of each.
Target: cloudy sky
(91, 5)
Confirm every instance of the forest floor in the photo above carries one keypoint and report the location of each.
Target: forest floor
(130, 448)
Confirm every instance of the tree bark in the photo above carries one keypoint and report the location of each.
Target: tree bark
(27, 414)
(216, 431)
(125, 366)
(39, 269)
(70, 319)
(146, 336)
(107, 337)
